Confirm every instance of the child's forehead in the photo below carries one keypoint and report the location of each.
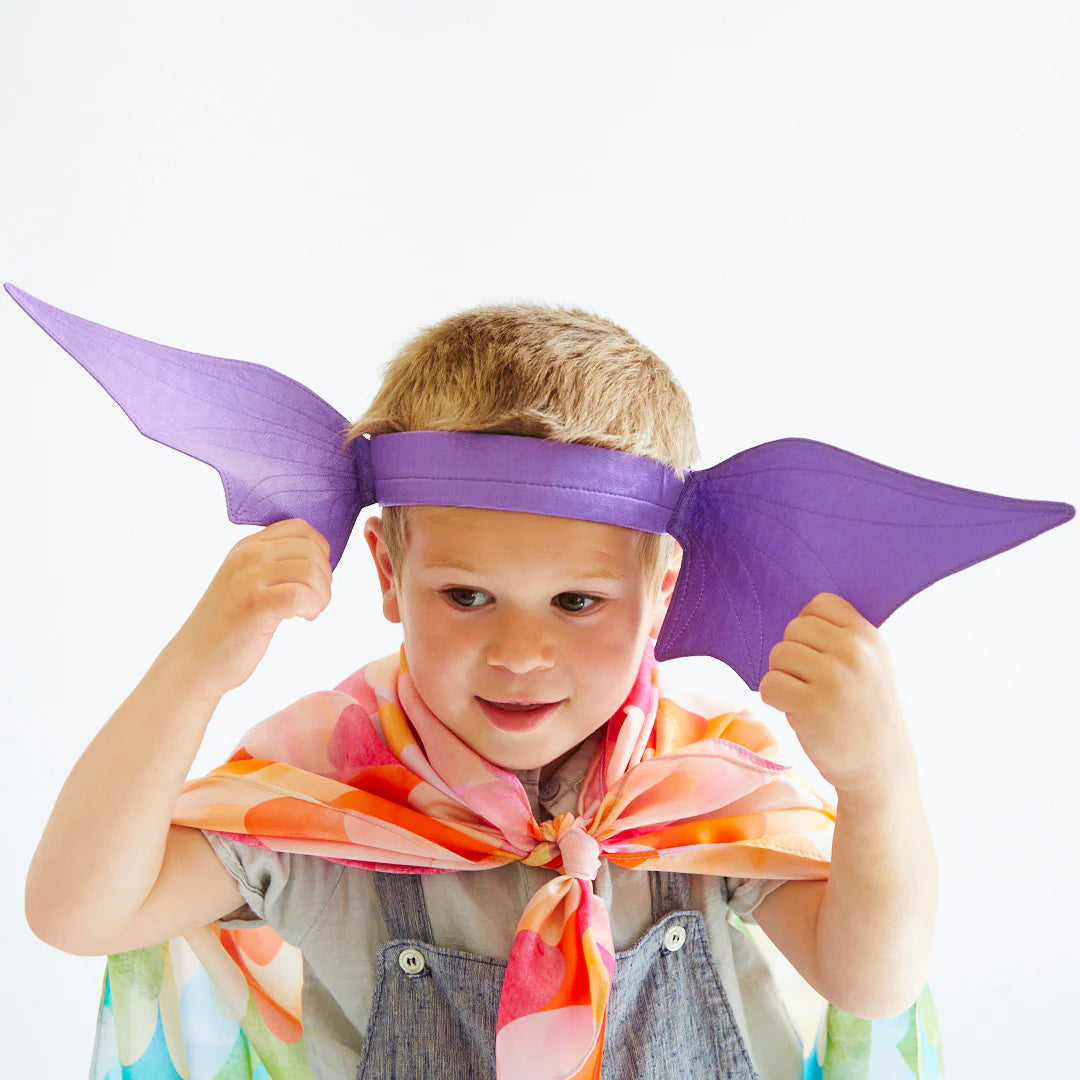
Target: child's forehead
(441, 532)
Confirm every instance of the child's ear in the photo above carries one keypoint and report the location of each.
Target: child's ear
(667, 587)
(374, 536)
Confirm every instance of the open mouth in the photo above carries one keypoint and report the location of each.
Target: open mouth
(517, 717)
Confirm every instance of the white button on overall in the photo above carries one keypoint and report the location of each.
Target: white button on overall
(675, 938)
(411, 961)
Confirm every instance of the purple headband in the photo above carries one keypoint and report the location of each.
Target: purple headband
(762, 532)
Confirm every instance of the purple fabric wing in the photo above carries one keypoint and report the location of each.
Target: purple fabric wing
(275, 444)
(766, 530)
(762, 532)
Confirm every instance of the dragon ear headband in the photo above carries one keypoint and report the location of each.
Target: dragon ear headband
(762, 532)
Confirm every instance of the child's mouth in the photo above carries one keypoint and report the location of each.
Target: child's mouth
(517, 719)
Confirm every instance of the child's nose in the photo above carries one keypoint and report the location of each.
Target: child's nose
(521, 645)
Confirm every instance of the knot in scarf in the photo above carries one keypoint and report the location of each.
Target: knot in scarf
(567, 837)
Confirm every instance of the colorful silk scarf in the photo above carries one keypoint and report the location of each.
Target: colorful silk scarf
(367, 776)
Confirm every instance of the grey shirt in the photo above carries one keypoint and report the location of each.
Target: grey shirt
(330, 912)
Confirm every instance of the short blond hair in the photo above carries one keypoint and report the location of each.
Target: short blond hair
(546, 372)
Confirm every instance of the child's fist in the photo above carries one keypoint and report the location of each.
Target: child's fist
(832, 678)
(278, 572)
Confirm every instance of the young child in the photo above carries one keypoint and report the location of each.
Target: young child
(496, 606)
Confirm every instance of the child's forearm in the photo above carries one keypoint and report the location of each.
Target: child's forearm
(102, 849)
(876, 921)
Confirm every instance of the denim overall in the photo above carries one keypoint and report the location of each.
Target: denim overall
(434, 1010)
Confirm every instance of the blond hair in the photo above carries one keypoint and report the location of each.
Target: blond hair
(547, 372)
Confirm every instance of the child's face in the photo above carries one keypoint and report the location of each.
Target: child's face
(518, 626)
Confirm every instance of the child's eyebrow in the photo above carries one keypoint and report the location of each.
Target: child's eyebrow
(599, 573)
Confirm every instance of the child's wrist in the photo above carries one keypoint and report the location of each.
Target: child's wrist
(180, 670)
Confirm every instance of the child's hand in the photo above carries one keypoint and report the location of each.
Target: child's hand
(273, 574)
(831, 676)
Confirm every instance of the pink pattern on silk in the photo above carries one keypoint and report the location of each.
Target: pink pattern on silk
(546, 968)
(355, 744)
(367, 775)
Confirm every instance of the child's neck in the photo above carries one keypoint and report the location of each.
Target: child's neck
(554, 766)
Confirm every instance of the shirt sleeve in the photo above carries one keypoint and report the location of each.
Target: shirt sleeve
(744, 894)
(282, 889)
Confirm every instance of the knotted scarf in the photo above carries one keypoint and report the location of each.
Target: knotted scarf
(368, 776)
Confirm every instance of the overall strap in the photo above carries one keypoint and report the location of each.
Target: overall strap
(670, 891)
(401, 897)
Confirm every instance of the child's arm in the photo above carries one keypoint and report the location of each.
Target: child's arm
(111, 872)
(864, 938)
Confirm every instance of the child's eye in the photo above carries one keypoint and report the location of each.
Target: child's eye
(471, 592)
(477, 592)
(581, 596)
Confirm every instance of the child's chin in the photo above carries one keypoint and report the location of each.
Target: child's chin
(517, 763)
(522, 759)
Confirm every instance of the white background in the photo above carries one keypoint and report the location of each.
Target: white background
(852, 223)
